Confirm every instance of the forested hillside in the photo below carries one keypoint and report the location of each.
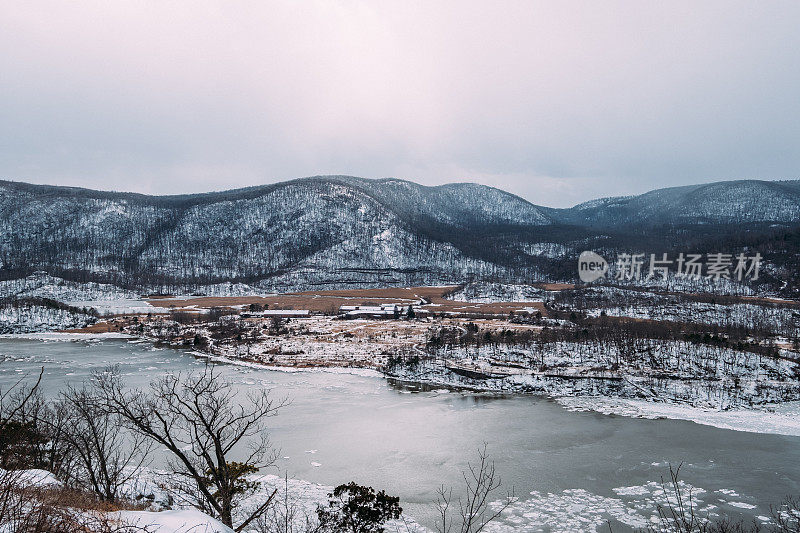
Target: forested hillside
(339, 230)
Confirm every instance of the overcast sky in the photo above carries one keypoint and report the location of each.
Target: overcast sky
(556, 101)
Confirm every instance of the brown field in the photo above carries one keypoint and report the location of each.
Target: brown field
(402, 293)
(329, 301)
(767, 300)
(555, 286)
(100, 327)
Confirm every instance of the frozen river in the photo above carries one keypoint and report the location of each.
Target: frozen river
(571, 470)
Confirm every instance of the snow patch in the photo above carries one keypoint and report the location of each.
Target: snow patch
(779, 419)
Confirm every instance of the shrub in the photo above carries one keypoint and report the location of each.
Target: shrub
(358, 509)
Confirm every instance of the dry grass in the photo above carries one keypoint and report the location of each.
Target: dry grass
(80, 500)
(555, 286)
(328, 302)
(317, 301)
(27, 508)
(320, 302)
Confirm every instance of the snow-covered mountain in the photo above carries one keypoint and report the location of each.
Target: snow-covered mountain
(340, 230)
(723, 202)
(299, 232)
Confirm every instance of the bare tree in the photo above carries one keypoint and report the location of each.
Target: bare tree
(287, 515)
(14, 399)
(106, 456)
(471, 512)
(44, 440)
(680, 513)
(204, 424)
(27, 507)
(11, 499)
(786, 516)
(18, 432)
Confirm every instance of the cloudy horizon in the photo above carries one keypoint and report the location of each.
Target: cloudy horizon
(557, 102)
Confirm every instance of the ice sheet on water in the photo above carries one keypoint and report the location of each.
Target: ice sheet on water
(632, 491)
(780, 419)
(564, 512)
(742, 505)
(580, 510)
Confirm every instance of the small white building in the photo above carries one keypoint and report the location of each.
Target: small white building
(371, 311)
(278, 313)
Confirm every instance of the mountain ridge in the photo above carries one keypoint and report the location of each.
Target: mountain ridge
(372, 186)
(345, 229)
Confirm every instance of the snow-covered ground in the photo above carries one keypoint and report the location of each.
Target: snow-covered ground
(181, 521)
(295, 500)
(186, 520)
(365, 372)
(122, 306)
(106, 298)
(314, 341)
(497, 292)
(565, 511)
(784, 320)
(780, 419)
(616, 301)
(103, 298)
(35, 477)
(659, 371)
(674, 283)
(30, 317)
(43, 285)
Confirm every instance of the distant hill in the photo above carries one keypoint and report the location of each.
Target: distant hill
(713, 203)
(339, 230)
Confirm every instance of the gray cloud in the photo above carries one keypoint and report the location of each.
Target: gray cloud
(556, 101)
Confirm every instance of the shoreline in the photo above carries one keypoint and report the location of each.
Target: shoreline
(68, 336)
(355, 371)
(769, 419)
(781, 418)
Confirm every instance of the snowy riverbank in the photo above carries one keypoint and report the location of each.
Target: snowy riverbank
(775, 418)
(295, 502)
(779, 419)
